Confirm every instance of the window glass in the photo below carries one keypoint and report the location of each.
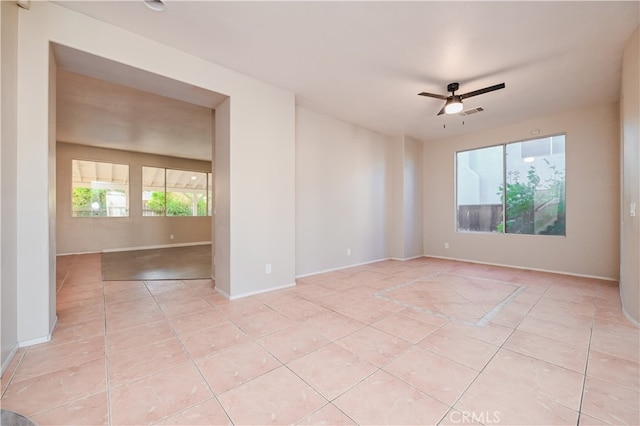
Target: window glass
(186, 193)
(478, 179)
(99, 189)
(172, 192)
(153, 194)
(535, 192)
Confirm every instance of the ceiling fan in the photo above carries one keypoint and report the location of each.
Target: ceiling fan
(453, 102)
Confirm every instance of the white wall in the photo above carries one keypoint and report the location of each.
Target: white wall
(34, 257)
(51, 192)
(261, 157)
(262, 192)
(630, 160)
(93, 234)
(8, 171)
(343, 189)
(407, 216)
(396, 239)
(592, 199)
(412, 200)
(222, 198)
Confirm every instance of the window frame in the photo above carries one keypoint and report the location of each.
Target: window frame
(504, 185)
(206, 191)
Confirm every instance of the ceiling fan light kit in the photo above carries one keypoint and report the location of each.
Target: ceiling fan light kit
(453, 102)
(453, 105)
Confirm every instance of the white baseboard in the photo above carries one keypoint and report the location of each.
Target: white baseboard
(404, 259)
(39, 340)
(113, 250)
(526, 268)
(77, 253)
(197, 243)
(343, 267)
(629, 317)
(222, 293)
(460, 260)
(267, 290)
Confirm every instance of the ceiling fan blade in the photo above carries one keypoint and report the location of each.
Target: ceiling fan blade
(433, 95)
(481, 91)
(441, 111)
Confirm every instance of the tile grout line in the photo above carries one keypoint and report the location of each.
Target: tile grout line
(78, 398)
(329, 342)
(329, 401)
(411, 346)
(376, 370)
(488, 316)
(13, 373)
(191, 360)
(477, 376)
(586, 365)
(492, 357)
(365, 325)
(64, 280)
(282, 364)
(106, 351)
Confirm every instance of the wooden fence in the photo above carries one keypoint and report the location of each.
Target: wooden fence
(479, 217)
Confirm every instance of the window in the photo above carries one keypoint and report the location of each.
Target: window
(479, 177)
(153, 194)
(170, 192)
(517, 188)
(99, 189)
(210, 194)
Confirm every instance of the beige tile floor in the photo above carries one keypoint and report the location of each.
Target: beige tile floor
(423, 342)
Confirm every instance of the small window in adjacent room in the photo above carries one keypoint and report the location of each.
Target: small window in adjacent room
(99, 189)
(516, 188)
(171, 192)
(153, 194)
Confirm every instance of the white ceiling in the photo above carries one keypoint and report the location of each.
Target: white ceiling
(364, 62)
(111, 105)
(100, 113)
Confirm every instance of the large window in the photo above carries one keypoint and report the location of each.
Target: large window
(170, 192)
(517, 188)
(99, 189)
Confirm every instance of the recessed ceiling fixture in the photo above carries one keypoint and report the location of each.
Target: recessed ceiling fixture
(453, 103)
(155, 5)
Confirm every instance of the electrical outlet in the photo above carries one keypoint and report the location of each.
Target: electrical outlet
(446, 245)
(348, 252)
(171, 237)
(267, 268)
